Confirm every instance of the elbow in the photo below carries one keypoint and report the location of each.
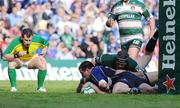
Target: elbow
(103, 84)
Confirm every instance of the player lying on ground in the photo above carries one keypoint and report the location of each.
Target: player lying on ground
(22, 52)
(116, 81)
(123, 61)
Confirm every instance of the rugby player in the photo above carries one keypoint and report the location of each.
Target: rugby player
(128, 14)
(22, 51)
(120, 61)
(108, 80)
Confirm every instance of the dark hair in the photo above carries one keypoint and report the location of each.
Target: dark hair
(85, 65)
(27, 31)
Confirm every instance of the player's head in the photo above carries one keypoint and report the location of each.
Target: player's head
(121, 59)
(85, 68)
(26, 37)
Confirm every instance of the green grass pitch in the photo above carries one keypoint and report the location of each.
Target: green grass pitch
(61, 94)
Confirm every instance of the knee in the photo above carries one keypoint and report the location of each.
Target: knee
(42, 65)
(13, 65)
(103, 84)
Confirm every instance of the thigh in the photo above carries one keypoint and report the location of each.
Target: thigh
(120, 87)
(144, 60)
(134, 48)
(16, 63)
(133, 52)
(36, 62)
(153, 77)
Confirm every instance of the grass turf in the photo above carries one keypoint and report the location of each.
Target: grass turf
(61, 94)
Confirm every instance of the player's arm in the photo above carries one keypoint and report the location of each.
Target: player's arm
(97, 90)
(11, 57)
(151, 20)
(90, 85)
(43, 49)
(80, 85)
(9, 54)
(100, 79)
(111, 18)
(151, 25)
(110, 22)
(45, 46)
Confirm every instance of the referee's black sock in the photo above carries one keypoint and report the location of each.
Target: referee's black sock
(152, 42)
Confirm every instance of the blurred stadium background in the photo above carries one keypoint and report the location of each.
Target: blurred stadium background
(75, 30)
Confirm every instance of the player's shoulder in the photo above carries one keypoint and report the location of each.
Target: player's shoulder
(96, 69)
(36, 36)
(16, 41)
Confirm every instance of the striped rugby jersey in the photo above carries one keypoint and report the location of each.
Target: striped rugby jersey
(129, 16)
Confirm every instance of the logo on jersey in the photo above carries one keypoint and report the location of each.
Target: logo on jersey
(133, 8)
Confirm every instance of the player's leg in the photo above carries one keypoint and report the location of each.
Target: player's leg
(12, 66)
(120, 87)
(146, 88)
(153, 77)
(39, 63)
(116, 60)
(133, 53)
(134, 48)
(106, 60)
(144, 60)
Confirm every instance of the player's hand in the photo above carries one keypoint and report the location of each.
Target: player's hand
(22, 53)
(110, 22)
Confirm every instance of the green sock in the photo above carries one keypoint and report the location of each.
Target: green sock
(41, 77)
(12, 77)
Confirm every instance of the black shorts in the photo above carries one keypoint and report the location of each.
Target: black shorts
(128, 78)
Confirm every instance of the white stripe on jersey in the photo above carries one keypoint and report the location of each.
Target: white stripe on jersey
(130, 24)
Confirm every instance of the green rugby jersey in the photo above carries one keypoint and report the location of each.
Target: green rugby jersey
(129, 16)
(17, 46)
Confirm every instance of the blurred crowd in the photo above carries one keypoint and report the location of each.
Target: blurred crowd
(74, 28)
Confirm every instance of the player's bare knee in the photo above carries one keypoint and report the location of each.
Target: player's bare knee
(42, 63)
(12, 65)
(42, 67)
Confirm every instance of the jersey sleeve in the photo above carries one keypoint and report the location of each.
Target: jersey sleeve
(10, 48)
(38, 39)
(112, 14)
(44, 42)
(147, 14)
(98, 75)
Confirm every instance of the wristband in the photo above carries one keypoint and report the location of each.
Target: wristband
(16, 55)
